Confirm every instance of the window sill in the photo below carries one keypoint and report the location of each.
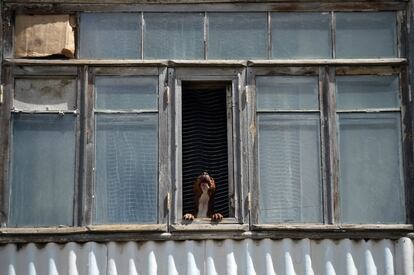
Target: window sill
(202, 230)
(199, 225)
(197, 62)
(335, 227)
(85, 229)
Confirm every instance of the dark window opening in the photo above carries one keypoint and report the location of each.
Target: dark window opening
(205, 141)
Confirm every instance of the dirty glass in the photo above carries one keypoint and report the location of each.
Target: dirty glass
(126, 169)
(43, 167)
(45, 94)
(126, 93)
(366, 34)
(371, 185)
(301, 35)
(289, 168)
(237, 36)
(367, 92)
(174, 35)
(287, 93)
(110, 35)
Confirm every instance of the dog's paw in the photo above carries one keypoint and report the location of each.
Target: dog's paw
(217, 217)
(188, 217)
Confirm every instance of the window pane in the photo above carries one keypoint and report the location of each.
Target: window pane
(45, 94)
(43, 165)
(126, 169)
(371, 186)
(287, 93)
(237, 35)
(366, 34)
(301, 35)
(110, 35)
(126, 93)
(364, 92)
(289, 168)
(174, 35)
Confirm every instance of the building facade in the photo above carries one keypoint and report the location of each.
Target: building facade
(301, 111)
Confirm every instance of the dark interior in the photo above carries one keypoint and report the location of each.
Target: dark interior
(204, 140)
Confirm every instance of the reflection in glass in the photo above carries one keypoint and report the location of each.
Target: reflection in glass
(365, 92)
(366, 34)
(301, 35)
(371, 186)
(126, 169)
(237, 36)
(289, 168)
(287, 93)
(126, 93)
(174, 35)
(43, 170)
(110, 35)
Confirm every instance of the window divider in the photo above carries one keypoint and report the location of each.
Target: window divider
(329, 145)
(5, 134)
(333, 34)
(164, 152)
(77, 212)
(205, 29)
(252, 197)
(89, 145)
(407, 144)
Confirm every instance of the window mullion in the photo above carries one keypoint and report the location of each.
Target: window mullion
(407, 145)
(252, 197)
(329, 145)
(5, 134)
(88, 143)
(164, 179)
(77, 198)
(175, 146)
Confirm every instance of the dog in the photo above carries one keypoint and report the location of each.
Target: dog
(204, 189)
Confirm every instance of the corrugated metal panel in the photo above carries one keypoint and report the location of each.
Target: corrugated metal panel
(210, 257)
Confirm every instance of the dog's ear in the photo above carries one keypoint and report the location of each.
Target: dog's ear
(196, 187)
(212, 184)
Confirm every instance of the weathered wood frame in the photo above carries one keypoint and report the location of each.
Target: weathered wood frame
(82, 232)
(163, 174)
(235, 78)
(329, 135)
(34, 72)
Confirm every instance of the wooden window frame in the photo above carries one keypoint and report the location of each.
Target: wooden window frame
(237, 182)
(329, 136)
(170, 228)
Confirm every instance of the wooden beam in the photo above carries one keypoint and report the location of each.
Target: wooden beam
(114, 233)
(207, 63)
(55, 6)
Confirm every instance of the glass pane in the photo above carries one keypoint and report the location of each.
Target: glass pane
(371, 186)
(126, 169)
(366, 34)
(110, 35)
(237, 36)
(301, 35)
(289, 168)
(364, 92)
(174, 35)
(287, 93)
(126, 93)
(43, 166)
(45, 94)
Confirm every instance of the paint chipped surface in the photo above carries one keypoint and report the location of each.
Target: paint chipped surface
(45, 94)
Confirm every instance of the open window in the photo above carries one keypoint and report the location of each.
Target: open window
(207, 138)
(206, 124)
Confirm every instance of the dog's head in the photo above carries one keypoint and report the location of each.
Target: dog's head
(205, 183)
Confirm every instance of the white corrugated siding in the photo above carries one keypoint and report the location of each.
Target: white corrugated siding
(262, 257)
